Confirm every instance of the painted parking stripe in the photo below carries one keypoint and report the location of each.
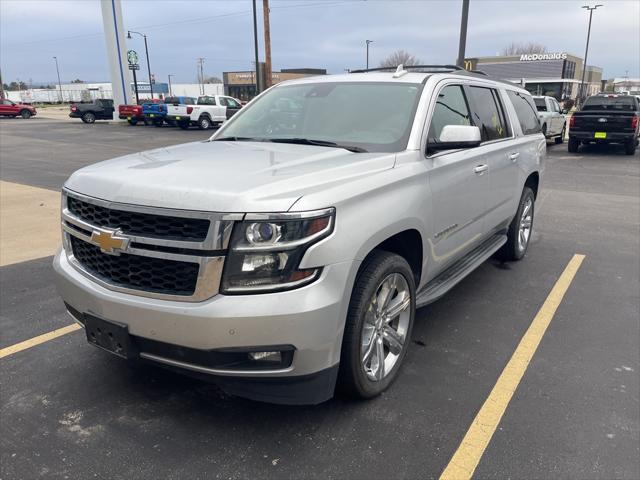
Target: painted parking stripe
(29, 223)
(466, 458)
(32, 342)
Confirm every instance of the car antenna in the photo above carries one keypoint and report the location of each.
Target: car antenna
(400, 71)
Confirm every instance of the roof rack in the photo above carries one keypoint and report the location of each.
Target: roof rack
(439, 68)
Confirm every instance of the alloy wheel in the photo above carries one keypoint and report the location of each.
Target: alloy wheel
(526, 222)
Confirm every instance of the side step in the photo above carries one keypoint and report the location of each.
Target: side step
(446, 280)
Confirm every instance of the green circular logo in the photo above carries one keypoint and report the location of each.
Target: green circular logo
(132, 57)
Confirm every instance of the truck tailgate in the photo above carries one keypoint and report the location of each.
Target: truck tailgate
(603, 122)
(177, 111)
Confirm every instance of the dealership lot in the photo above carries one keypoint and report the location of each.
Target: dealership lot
(71, 411)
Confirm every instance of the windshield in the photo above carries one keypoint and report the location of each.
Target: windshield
(610, 103)
(541, 105)
(369, 116)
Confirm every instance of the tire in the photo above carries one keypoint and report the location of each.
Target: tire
(630, 147)
(88, 117)
(204, 123)
(184, 125)
(573, 145)
(26, 114)
(157, 123)
(518, 236)
(357, 377)
(560, 139)
(133, 121)
(544, 130)
(146, 122)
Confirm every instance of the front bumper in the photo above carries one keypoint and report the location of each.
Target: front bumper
(310, 319)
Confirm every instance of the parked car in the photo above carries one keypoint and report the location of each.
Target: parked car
(99, 109)
(552, 118)
(12, 109)
(156, 113)
(289, 252)
(132, 114)
(606, 119)
(209, 111)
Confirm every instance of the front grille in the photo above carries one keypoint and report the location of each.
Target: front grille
(155, 275)
(141, 224)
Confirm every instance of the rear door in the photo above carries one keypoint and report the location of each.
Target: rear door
(558, 119)
(497, 152)
(458, 181)
(232, 105)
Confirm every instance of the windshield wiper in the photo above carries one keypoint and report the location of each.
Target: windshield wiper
(320, 143)
(237, 139)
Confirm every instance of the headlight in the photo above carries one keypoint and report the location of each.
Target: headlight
(266, 249)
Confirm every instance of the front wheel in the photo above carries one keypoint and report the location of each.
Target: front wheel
(519, 233)
(89, 117)
(630, 147)
(26, 114)
(378, 325)
(560, 139)
(573, 145)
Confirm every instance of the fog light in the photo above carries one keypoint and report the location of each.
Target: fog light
(266, 357)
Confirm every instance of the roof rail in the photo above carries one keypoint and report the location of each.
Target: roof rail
(446, 68)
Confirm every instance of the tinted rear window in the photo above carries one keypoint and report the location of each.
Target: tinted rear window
(525, 111)
(541, 105)
(610, 103)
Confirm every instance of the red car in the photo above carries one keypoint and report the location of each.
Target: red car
(11, 109)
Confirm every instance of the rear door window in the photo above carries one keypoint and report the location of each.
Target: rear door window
(525, 111)
(451, 109)
(541, 104)
(488, 113)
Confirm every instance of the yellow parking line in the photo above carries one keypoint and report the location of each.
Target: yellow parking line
(465, 460)
(32, 342)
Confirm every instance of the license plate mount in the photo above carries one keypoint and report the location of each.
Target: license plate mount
(600, 135)
(110, 336)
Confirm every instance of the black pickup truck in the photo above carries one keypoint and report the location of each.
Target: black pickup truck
(100, 109)
(606, 118)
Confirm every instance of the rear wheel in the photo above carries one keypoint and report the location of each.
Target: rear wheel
(25, 114)
(378, 326)
(630, 147)
(573, 145)
(157, 123)
(519, 232)
(560, 139)
(544, 129)
(204, 123)
(88, 117)
(183, 125)
(146, 122)
(132, 121)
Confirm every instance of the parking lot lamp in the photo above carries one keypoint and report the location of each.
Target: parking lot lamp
(59, 83)
(146, 51)
(368, 42)
(170, 91)
(586, 52)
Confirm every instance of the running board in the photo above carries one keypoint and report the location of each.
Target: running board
(446, 280)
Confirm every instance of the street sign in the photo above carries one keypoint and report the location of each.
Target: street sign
(132, 57)
(134, 66)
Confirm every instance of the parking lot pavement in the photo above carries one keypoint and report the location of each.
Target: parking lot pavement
(71, 411)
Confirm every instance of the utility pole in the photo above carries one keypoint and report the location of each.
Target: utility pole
(255, 47)
(59, 83)
(267, 44)
(586, 52)
(201, 74)
(368, 42)
(170, 91)
(2, 95)
(463, 33)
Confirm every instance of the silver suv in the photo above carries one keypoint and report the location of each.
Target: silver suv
(287, 254)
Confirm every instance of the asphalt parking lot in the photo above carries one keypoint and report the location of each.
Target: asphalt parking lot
(69, 410)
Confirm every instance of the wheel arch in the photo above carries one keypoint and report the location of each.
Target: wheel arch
(533, 182)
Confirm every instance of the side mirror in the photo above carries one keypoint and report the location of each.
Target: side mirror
(455, 137)
(564, 111)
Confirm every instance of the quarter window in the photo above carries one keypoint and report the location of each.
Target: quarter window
(451, 109)
(525, 111)
(488, 114)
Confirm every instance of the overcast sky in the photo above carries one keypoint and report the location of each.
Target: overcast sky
(327, 34)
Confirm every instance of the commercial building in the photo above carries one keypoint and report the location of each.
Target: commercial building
(242, 85)
(626, 85)
(554, 74)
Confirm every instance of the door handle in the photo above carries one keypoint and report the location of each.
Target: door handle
(480, 169)
(514, 156)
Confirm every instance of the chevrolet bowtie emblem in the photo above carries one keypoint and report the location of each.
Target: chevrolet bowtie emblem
(109, 241)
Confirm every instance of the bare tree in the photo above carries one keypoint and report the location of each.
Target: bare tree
(516, 48)
(400, 57)
(212, 80)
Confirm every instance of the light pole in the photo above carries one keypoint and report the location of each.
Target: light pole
(255, 48)
(146, 51)
(586, 51)
(59, 83)
(463, 33)
(368, 42)
(170, 91)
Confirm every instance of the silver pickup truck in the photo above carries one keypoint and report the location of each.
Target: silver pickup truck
(285, 257)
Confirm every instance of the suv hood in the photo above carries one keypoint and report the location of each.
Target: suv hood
(224, 176)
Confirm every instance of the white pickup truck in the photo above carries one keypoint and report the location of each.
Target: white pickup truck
(208, 111)
(552, 118)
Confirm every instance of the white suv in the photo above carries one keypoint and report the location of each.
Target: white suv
(552, 118)
(289, 252)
